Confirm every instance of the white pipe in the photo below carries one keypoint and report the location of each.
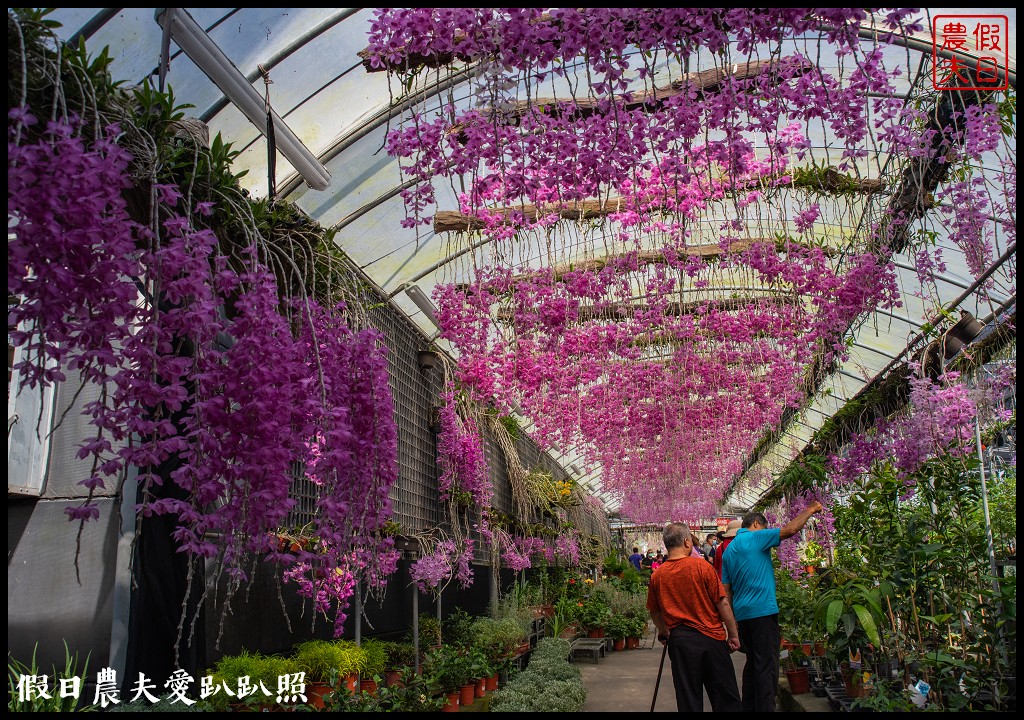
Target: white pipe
(208, 56)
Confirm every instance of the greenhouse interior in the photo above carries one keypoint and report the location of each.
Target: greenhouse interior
(412, 360)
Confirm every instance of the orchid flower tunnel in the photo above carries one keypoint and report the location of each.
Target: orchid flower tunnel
(660, 240)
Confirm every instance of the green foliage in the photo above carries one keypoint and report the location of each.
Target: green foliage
(321, 660)
(595, 612)
(449, 668)
(549, 683)
(399, 655)
(259, 668)
(166, 703)
(455, 628)
(56, 703)
(497, 638)
(430, 631)
(414, 694)
(614, 564)
(375, 657)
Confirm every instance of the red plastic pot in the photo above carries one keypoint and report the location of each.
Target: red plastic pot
(451, 702)
(481, 688)
(799, 681)
(491, 683)
(466, 694)
(619, 644)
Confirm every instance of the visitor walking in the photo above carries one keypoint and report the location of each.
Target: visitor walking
(635, 558)
(708, 549)
(726, 537)
(688, 606)
(749, 580)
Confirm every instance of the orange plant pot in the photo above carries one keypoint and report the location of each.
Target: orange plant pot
(481, 688)
(352, 682)
(799, 681)
(491, 683)
(619, 644)
(393, 678)
(466, 694)
(451, 703)
(368, 686)
(316, 692)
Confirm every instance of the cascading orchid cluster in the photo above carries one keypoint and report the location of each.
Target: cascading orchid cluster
(447, 561)
(941, 421)
(634, 356)
(460, 455)
(187, 394)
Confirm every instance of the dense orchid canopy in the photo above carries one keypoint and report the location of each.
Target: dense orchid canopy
(658, 234)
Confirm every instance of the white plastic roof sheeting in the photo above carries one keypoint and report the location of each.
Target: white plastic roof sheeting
(342, 114)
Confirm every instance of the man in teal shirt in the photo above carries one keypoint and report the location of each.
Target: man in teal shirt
(749, 580)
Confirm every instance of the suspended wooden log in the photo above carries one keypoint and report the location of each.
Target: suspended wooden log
(704, 81)
(828, 180)
(626, 311)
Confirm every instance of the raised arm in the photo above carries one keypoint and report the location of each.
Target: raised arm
(796, 524)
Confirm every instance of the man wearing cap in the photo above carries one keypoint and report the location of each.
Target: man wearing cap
(688, 606)
(726, 537)
(749, 580)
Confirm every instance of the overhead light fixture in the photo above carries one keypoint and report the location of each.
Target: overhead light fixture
(424, 303)
(208, 56)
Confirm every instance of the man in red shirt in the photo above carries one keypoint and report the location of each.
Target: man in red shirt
(726, 537)
(688, 606)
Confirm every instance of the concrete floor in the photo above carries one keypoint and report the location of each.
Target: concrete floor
(624, 682)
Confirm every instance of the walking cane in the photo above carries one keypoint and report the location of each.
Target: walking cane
(661, 667)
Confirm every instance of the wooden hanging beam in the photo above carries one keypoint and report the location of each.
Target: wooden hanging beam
(831, 180)
(626, 311)
(705, 81)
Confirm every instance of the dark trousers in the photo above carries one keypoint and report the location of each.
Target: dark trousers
(761, 640)
(699, 663)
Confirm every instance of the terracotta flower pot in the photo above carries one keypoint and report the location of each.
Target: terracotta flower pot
(632, 643)
(451, 703)
(481, 688)
(853, 679)
(315, 693)
(352, 682)
(799, 681)
(491, 683)
(596, 633)
(466, 694)
(619, 644)
(392, 678)
(368, 686)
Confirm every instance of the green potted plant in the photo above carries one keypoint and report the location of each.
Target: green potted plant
(430, 631)
(450, 672)
(374, 660)
(399, 655)
(595, 614)
(616, 627)
(351, 661)
(482, 669)
(797, 672)
(263, 671)
(320, 660)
